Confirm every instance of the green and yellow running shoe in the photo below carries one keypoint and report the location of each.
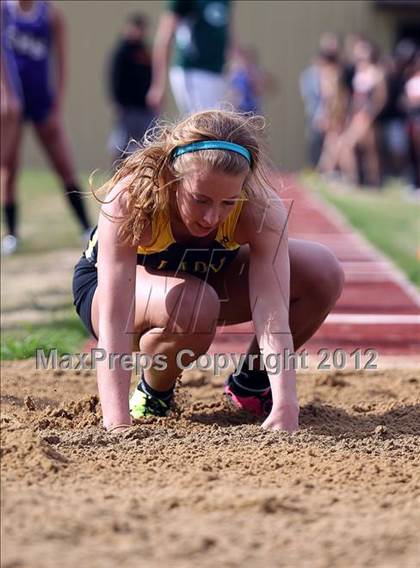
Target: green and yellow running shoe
(143, 404)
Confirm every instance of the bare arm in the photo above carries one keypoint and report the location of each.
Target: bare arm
(233, 46)
(269, 285)
(116, 301)
(60, 48)
(160, 58)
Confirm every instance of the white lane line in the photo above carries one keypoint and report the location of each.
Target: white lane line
(374, 319)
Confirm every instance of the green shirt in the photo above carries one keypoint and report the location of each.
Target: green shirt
(202, 35)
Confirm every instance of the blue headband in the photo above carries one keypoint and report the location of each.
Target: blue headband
(213, 145)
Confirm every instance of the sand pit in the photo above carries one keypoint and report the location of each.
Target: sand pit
(207, 487)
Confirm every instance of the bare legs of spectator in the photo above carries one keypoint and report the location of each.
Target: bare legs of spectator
(11, 129)
(53, 138)
(329, 159)
(360, 132)
(371, 157)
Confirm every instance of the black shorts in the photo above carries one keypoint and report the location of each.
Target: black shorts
(85, 282)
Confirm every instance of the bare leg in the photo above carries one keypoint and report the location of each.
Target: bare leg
(55, 143)
(9, 169)
(316, 282)
(353, 135)
(172, 313)
(372, 158)
(347, 158)
(11, 122)
(329, 156)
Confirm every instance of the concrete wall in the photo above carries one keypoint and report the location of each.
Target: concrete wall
(285, 32)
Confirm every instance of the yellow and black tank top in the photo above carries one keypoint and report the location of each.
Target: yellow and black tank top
(164, 253)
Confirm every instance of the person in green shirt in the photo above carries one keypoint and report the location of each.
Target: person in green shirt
(199, 32)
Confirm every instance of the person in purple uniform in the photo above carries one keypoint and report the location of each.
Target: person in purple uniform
(33, 35)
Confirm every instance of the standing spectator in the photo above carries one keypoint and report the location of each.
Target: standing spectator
(202, 32)
(311, 81)
(393, 116)
(35, 46)
(11, 116)
(248, 81)
(349, 58)
(368, 99)
(130, 79)
(335, 97)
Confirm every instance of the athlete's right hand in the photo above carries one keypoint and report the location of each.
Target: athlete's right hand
(119, 428)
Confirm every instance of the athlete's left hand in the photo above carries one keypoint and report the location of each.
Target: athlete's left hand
(284, 417)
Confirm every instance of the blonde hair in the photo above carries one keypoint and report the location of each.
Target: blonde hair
(151, 170)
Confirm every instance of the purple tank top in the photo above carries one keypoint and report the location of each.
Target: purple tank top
(28, 39)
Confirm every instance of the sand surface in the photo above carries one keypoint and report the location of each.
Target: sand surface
(208, 487)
